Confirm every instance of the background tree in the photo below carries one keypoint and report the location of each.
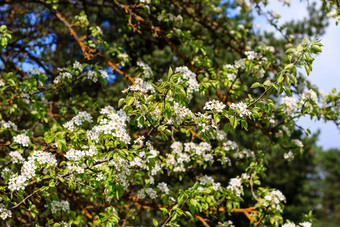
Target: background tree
(328, 206)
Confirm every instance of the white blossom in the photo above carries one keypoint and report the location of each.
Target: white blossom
(298, 143)
(123, 56)
(22, 139)
(151, 192)
(74, 155)
(99, 177)
(103, 74)
(190, 78)
(241, 108)
(289, 224)
(225, 160)
(309, 95)
(226, 224)
(288, 156)
(8, 124)
(91, 151)
(61, 205)
(305, 224)
(163, 187)
(79, 119)
(73, 168)
(274, 14)
(140, 86)
(231, 76)
(43, 157)
(235, 186)
(16, 157)
(113, 124)
(147, 71)
(214, 105)
(334, 13)
(240, 64)
(92, 75)
(141, 194)
(252, 55)
(273, 199)
(17, 183)
(4, 213)
(290, 105)
(64, 74)
(78, 66)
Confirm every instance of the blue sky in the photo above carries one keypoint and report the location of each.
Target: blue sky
(325, 74)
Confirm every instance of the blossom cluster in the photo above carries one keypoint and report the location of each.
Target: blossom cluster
(252, 55)
(240, 64)
(335, 14)
(170, 17)
(8, 124)
(177, 158)
(241, 108)
(25, 97)
(298, 143)
(16, 157)
(77, 66)
(4, 213)
(149, 191)
(76, 155)
(140, 86)
(290, 105)
(302, 224)
(22, 139)
(309, 95)
(113, 124)
(147, 71)
(79, 119)
(28, 169)
(62, 75)
(92, 75)
(226, 224)
(122, 171)
(180, 113)
(208, 180)
(274, 200)
(235, 185)
(163, 187)
(61, 205)
(288, 156)
(190, 78)
(214, 105)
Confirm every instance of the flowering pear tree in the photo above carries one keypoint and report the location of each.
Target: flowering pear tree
(167, 147)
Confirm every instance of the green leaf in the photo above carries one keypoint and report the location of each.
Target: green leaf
(280, 78)
(307, 68)
(129, 100)
(155, 222)
(316, 49)
(267, 83)
(289, 67)
(170, 72)
(120, 102)
(289, 51)
(256, 84)
(233, 121)
(226, 127)
(164, 210)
